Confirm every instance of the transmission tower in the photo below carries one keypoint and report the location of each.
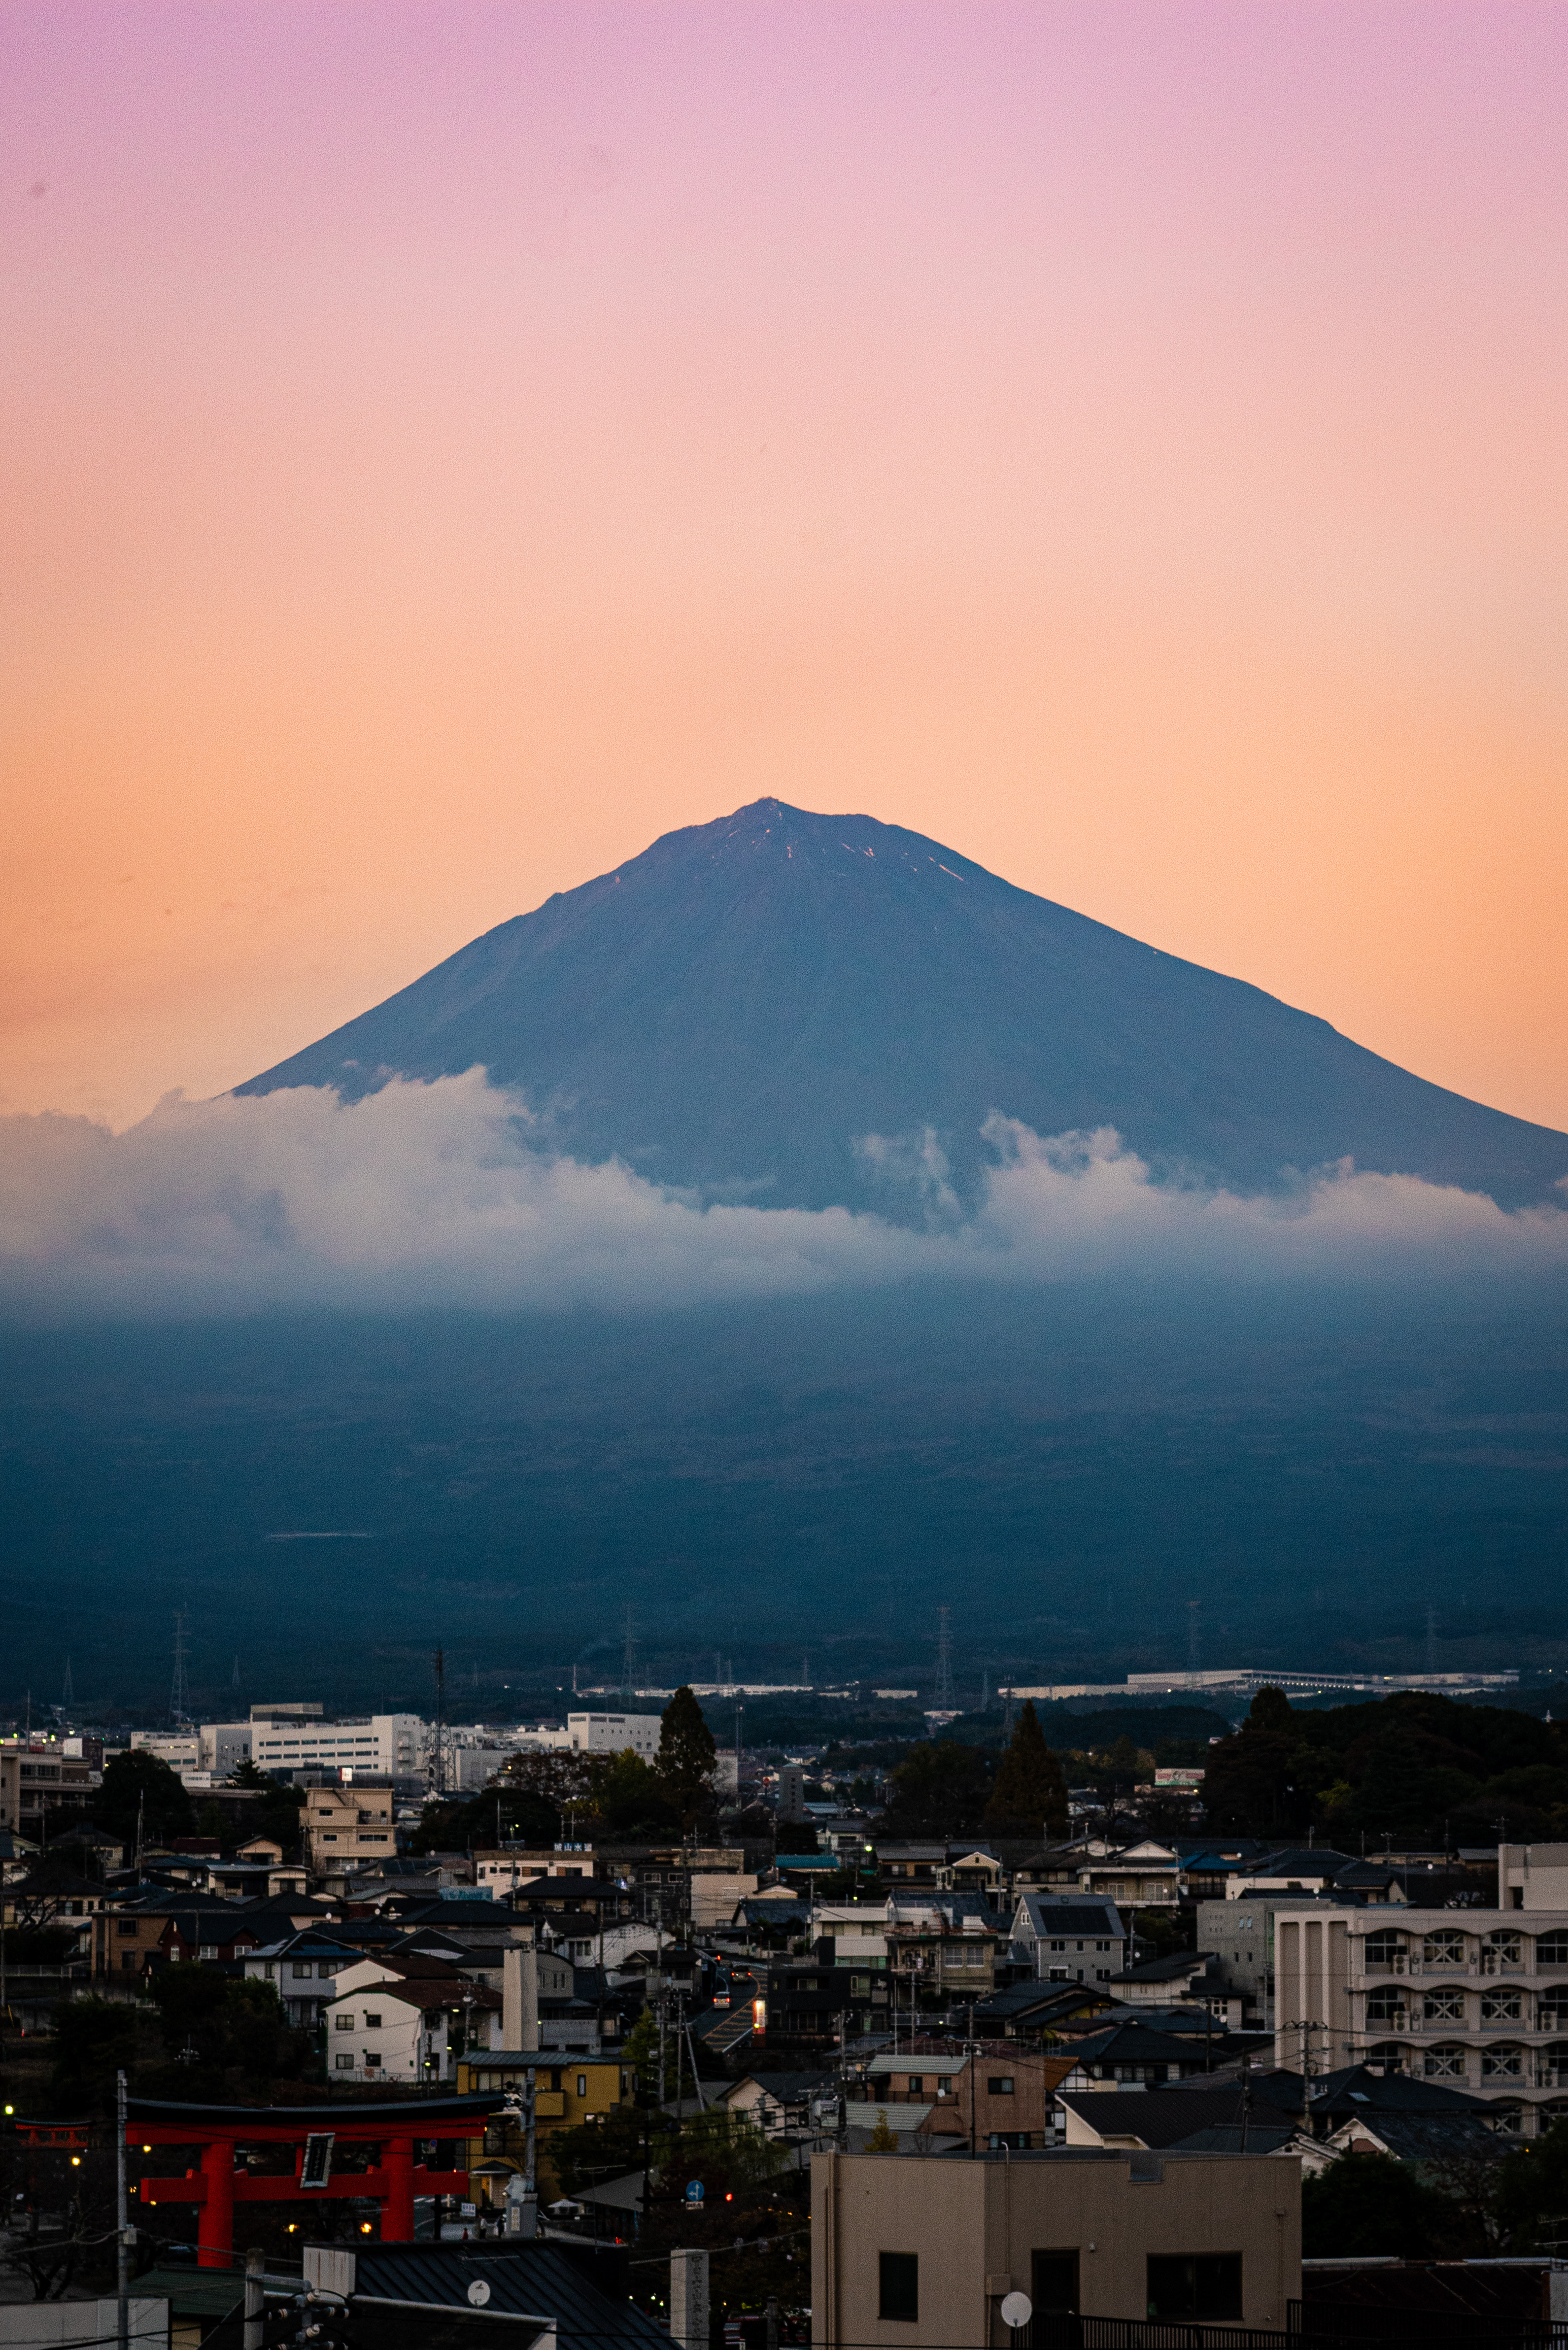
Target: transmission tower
(629, 1665)
(180, 1690)
(1431, 1640)
(235, 1676)
(67, 1694)
(944, 1690)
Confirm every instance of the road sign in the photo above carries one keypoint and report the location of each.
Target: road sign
(694, 2190)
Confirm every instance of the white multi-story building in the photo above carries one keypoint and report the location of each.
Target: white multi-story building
(602, 1733)
(1474, 1999)
(381, 1745)
(212, 1750)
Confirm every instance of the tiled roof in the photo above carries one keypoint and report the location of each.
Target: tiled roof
(533, 2280)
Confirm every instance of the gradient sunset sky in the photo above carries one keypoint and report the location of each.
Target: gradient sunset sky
(448, 445)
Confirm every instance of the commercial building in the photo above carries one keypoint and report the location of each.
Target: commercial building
(924, 2250)
(285, 1738)
(1474, 1999)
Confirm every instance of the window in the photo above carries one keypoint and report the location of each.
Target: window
(125, 1926)
(372, 2062)
(1195, 2284)
(1389, 2055)
(343, 2023)
(917, 2083)
(898, 2287)
(1502, 1948)
(1385, 2007)
(302, 1970)
(1501, 2007)
(1553, 2066)
(1385, 1950)
(1001, 2085)
(1551, 1951)
(556, 2079)
(373, 2023)
(1444, 2007)
(1444, 1948)
(582, 2084)
(344, 2060)
(1446, 2062)
(1054, 2277)
(1503, 2062)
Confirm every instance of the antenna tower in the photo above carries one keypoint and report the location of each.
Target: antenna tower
(180, 1690)
(67, 1694)
(944, 1688)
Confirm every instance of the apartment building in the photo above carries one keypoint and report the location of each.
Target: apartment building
(1474, 1999)
(350, 1826)
(38, 1781)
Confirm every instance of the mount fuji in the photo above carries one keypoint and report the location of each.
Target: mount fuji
(787, 1008)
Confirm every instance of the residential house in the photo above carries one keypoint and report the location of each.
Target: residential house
(992, 2096)
(783, 2104)
(1133, 2052)
(1042, 2010)
(945, 1943)
(350, 1826)
(1197, 2116)
(403, 2031)
(1061, 1939)
(303, 1968)
(1185, 1976)
(925, 2250)
(570, 2090)
(1141, 1875)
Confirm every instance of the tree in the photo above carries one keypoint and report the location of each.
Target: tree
(1364, 2204)
(1030, 1794)
(687, 1755)
(938, 1790)
(1531, 2190)
(629, 1796)
(1252, 1780)
(139, 1786)
(513, 1814)
(882, 2139)
(94, 2038)
(221, 2032)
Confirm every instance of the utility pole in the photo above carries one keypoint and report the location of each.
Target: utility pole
(180, 1692)
(944, 1684)
(121, 2224)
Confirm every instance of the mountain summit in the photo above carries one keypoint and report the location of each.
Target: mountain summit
(737, 1008)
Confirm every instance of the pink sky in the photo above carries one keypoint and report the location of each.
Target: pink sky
(448, 445)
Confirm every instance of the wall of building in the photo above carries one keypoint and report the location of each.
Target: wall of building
(975, 2226)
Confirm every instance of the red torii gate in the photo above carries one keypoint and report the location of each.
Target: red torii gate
(397, 2127)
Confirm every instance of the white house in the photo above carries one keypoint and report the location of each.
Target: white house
(405, 2031)
(1066, 1939)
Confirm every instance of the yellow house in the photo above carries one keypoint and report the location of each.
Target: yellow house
(569, 2090)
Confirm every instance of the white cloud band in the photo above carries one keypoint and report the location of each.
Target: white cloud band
(443, 1194)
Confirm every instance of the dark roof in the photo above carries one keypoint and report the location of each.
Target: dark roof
(1074, 1914)
(1164, 2118)
(1298, 1860)
(783, 2087)
(1356, 2089)
(1429, 2137)
(1015, 2000)
(1180, 1964)
(1227, 2138)
(533, 2279)
(1133, 2044)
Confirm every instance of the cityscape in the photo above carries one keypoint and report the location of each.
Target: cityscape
(784, 1175)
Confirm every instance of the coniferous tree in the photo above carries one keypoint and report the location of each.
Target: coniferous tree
(687, 1755)
(1030, 1794)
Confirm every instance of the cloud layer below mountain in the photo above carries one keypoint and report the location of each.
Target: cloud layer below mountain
(448, 1194)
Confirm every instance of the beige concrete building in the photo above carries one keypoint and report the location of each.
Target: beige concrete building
(912, 2248)
(350, 1826)
(1532, 1877)
(40, 1784)
(1474, 1999)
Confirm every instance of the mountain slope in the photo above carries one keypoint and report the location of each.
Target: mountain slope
(738, 1004)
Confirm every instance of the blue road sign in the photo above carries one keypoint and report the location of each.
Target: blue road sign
(693, 2190)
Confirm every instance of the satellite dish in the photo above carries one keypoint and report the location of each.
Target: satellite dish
(479, 2294)
(1017, 2309)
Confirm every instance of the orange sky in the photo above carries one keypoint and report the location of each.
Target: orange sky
(448, 445)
